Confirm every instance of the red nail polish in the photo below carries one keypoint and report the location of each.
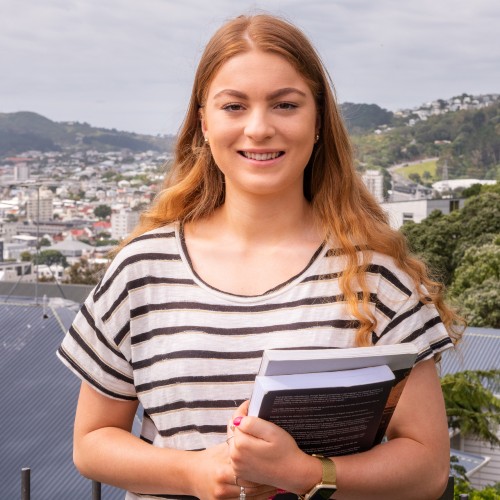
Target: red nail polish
(237, 421)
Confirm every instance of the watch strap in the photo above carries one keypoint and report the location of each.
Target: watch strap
(329, 470)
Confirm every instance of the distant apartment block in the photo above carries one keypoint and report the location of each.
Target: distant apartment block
(40, 206)
(21, 172)
(402, 212)
(122, 223)
(374, 181)
(7, 230)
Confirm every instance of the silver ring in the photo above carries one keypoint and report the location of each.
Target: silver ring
(227, 440)
(243, 495)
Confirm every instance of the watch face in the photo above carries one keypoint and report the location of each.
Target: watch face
(323, 493)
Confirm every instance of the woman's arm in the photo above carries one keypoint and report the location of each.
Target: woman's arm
(413, 464)
(105, 450)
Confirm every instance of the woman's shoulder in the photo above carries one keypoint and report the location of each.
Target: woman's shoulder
(148, 249)
(377, 264)
(158, 240)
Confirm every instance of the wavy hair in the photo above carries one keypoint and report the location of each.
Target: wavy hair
(345, 210)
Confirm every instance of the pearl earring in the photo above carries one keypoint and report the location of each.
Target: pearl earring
(206, 140)
(316, 139)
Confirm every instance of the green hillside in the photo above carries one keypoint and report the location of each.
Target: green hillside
(468, 141)
(24, 131)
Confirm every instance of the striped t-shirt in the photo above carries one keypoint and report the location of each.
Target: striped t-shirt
(153, 330)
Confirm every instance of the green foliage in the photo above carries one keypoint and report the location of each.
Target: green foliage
(471, 144)
(476, 285)
(363, 117)
(50, 257)
(442, 240)
(102, 211)
(434, 241)
(463, 486)
(473, 190)
(23, 131)
(471, 405)
(25, 256)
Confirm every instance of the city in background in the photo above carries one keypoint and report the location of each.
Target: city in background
(70, 198)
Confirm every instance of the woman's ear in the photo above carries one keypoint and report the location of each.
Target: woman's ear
(203, 122)
(318, 123)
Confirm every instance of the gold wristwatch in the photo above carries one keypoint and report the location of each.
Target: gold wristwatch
(328, 485)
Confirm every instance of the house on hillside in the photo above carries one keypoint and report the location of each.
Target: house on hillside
(479, 350)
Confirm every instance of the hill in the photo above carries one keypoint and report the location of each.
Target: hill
(24, 131)
(361, 118)
(467, 141)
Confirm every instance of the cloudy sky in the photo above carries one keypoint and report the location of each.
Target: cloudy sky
(129, 64)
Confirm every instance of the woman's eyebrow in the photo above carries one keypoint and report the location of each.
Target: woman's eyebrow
(273, 95)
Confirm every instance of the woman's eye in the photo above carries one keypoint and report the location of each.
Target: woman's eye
(286, 105)
(232, 107)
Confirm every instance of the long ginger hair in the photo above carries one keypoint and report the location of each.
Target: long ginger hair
(345, 210)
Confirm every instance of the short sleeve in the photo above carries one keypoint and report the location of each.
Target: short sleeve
(91, 348)
(407, 317)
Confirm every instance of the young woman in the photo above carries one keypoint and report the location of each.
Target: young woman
(262, 237)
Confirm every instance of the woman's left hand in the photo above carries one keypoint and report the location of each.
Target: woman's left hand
(264, 453)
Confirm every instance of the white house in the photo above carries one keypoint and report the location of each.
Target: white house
(402, 212)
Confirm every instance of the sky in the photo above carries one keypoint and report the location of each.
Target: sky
(129, 64)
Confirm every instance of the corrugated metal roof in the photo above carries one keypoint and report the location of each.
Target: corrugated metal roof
(38, 402)
(478, 350)
(470, 462)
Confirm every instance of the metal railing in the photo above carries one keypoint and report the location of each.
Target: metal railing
(96, 488)
(26, 486)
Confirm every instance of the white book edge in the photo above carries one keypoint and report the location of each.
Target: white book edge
(290, 361)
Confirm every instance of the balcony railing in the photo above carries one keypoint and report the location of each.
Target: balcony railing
(96, 488)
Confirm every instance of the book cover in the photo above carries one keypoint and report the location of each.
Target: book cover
(328, 413)
(400, 358)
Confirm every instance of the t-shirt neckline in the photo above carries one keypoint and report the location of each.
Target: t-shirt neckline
(280, 288)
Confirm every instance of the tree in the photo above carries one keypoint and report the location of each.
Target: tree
(25, 256)
(471, 406)
(84, 273)
(476, 285)
(433, 240)
(50, 257)
(102, 211)
(442, 240)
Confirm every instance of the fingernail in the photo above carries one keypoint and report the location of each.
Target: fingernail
(280, 491)
(237, 421)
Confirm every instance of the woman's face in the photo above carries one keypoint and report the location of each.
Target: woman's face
(261, 120)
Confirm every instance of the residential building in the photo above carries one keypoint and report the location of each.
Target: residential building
(402, 212)
(21, 172)
(123, 222)
(40, 206)
(374, 181)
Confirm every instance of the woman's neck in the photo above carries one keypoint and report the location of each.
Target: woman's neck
(266, 220)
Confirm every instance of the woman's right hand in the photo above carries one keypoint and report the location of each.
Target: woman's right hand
(214, 478)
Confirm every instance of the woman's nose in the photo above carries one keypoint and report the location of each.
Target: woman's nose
(259, 126)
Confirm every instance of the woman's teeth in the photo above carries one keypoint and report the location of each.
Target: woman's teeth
(261, 156)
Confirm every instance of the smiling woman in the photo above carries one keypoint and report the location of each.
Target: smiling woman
(263, 237)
